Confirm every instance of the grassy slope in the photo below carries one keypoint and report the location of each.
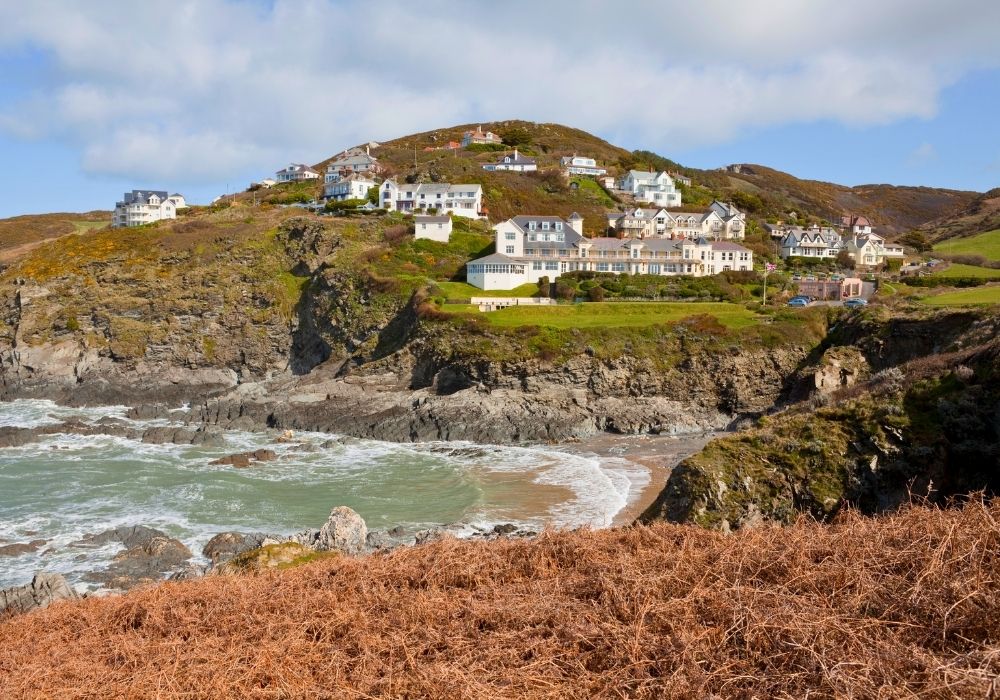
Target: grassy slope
(985, 244)
(981, 214)
(22, 230)
(620, 314)
(900, 606)
(965, 297)
(959, 270)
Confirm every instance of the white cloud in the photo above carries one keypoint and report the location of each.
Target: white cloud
(203, 89)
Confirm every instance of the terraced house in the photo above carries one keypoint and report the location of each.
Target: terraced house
(720, 221)
(531, 247)
(442, 197)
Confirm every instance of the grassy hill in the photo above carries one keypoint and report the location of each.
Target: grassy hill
(763, 192)
(986, 245)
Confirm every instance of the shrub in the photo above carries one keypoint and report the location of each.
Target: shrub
(596, 293)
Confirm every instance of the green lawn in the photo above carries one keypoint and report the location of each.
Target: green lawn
(619, 314)
(956, 270)
(986, 244)
(966, 297)
(461, 290)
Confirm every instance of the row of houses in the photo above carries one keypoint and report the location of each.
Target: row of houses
(720, 221)
(531, 247)
(855, 237)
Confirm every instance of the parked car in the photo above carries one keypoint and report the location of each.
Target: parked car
(798, 301)
(855, 302)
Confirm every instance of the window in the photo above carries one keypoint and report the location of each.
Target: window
(546, 253)
(510, 250)
(551, 266)
(536, 265)
(510, 236)
(654, 269)
(618, 267)
(558, 226)
(545, 226)
(532, 225)
(602, 267)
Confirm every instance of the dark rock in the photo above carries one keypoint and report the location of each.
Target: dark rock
(376, 541)
(240, 461)
(130, 536)
(44, 589)
(19, 548)
(264, 455)
(226, 545)
(429, 535)
(152, 560)
(397, 531)
(505, 529)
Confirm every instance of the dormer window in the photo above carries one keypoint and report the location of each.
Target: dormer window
(531, 225)
(545, 225)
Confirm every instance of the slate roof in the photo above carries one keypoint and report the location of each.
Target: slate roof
(496, 258)
(422, 219)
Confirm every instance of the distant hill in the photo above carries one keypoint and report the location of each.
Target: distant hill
(979, 215)
(892, 209)
(21, 233)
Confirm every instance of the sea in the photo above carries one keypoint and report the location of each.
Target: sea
(67, 486)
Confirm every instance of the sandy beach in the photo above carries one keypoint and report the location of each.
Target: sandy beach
(658, 454)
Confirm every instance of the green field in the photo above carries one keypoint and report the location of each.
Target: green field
(966, 297)
(985, 244)
(619, 314)
(461, 290)
(956, 270)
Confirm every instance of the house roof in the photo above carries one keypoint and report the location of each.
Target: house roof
(423, 219)
(853, 220)
(516, 159)
(726, 245)
(142, 196)
(496, 258)
(297, 167)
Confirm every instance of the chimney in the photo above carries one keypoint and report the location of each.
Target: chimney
(515, 153)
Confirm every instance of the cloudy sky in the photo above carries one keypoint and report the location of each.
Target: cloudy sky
(201, 96)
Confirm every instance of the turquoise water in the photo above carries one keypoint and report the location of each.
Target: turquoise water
(66, 486)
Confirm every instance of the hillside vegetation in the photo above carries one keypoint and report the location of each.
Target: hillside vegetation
(982, 213)
(900, 606)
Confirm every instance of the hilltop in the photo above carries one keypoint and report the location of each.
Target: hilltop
(979, 215)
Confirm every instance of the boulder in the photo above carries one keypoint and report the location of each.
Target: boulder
(44, 589)
(432, 534)
(378, 540)
(150, 559)
(281, 555)
(344, 531)
(129, 535)
(226, 545)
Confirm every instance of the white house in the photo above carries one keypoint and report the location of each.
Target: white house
(351, 187)
(720, 221)
(265, 184)
(296, 172)
(824, 243)
(353, 160)
(872, 250)
(460, 200)
(434, 228)
(531, 247)
(684, 180)
(607, 182)
(655, 188)
(814, 242)
(480, 136)
(516, 163)
(140, 207)
(179, 201)
(579, 165)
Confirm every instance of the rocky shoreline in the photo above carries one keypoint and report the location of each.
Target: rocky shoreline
(149, 556)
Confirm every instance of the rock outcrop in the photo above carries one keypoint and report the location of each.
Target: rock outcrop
(149, 556)
(344, 531)
(44, 589)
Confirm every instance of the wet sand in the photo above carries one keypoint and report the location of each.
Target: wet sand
(658, 454)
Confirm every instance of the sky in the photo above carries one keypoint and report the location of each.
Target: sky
(203, 96)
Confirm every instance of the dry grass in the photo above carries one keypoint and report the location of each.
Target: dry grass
(901, 606)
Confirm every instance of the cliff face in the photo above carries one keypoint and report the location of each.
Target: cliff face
(927, 426)
(284, 327)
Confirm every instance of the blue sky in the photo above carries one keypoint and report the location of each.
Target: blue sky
(222, 92)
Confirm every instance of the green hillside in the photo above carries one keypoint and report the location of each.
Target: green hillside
(985, 244)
